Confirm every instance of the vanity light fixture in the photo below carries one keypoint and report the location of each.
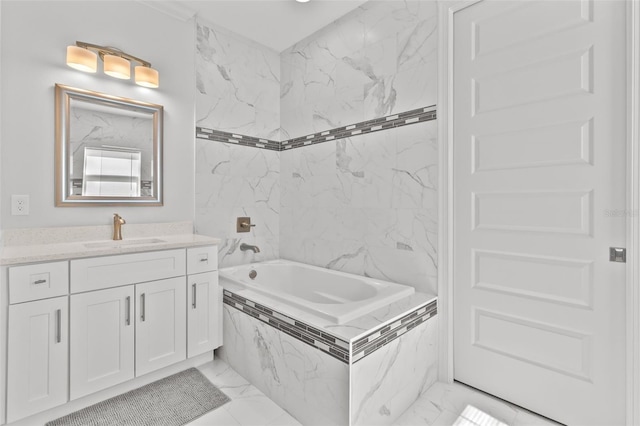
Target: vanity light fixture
(84, 57)
(302, 1)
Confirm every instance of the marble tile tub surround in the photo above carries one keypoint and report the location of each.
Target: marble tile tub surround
(316, 386)
(382, 336)
(238, 181)
(299, 330)
(365, 205)
(238, 95)
(322, 339)
(377, 124)
(351, 331)
(309, 384)
(387, 382)
(378, 60)
(234, 138)
(237, 82)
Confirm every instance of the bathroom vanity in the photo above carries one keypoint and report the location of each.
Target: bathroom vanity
(83, 318)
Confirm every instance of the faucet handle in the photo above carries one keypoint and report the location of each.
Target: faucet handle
(243, 224)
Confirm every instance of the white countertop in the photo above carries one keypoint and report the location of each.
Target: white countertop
(13, 255)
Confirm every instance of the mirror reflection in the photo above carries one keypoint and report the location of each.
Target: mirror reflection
(108, 149)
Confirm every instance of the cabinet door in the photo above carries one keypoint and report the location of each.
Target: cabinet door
(102, 339)
(202, 313)
(161, 328)
(38, 355)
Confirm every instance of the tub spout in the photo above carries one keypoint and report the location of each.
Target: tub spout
(245, 247)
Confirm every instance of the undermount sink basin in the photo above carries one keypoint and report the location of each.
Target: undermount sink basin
(120, 243)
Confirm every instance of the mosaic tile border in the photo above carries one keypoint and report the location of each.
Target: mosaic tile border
(377, 124)
(327, 343)
(396, 120)
(310, 335)
(220, 136)
(368, 344)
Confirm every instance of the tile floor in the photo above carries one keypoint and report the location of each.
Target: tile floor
(443, 405)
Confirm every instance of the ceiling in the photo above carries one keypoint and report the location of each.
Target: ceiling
(277, 24)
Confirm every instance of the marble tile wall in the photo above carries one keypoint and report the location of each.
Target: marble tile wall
(319, 388)
(311, 385)
(238, 181)
(387, 382)
(378, 60)
(238, 87)
(365, 205)
(237, 84)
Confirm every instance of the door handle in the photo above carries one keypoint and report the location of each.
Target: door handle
(193, 296)
(142, 307)
(58, 325)
(127, 318)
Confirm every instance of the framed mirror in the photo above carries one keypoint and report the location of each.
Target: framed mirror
(108, 150)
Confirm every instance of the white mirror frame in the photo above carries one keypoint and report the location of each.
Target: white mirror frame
(63, 97)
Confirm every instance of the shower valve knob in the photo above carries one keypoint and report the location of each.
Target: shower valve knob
(243, 224)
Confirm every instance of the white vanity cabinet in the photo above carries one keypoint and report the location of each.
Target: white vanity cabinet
(204, 297)
(85, 325)
(161, 329)
(38, 357)
(102, 339)
(134, 325)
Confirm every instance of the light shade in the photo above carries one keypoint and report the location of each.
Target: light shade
(82, 59)
(146, 76)
(117, 67)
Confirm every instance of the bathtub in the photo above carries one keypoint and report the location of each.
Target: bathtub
(334, 296)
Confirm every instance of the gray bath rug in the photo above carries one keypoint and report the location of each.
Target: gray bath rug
(172, 401)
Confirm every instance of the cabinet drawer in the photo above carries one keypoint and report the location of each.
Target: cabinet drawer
(38, 281)
(202, 259)
(112, 271)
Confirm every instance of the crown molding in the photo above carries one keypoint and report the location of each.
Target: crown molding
(173, 8)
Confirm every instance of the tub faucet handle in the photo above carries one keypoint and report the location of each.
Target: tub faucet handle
(243, 224)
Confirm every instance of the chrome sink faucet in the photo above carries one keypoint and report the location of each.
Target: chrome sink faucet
(118, 221)
(245, 247)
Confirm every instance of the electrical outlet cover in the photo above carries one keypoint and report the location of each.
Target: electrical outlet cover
(19, 205)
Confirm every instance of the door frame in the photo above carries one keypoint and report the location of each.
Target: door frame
(446, 11)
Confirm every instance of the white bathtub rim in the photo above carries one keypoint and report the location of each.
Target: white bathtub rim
(386, 292)
(350, 331)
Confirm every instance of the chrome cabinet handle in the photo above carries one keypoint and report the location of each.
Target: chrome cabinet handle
(142, 307)
(127, 318)
(204, 259)
(40, 281)
(58, 325)
(193, 296)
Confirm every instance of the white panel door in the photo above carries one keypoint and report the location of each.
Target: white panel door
(102, 340)
(161, 324)
(539, 172)
(203, 306)
(37, 357)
